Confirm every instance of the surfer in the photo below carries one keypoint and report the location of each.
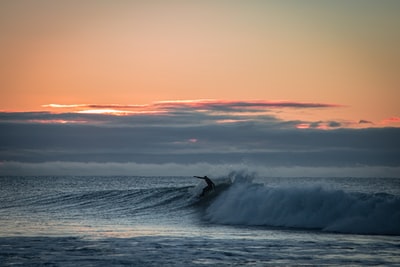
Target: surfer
(210, 185)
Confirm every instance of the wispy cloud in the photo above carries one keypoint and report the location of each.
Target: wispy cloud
(63, 106)
(200, 110)
(391, 120)
(274, 114)
(191, 112)
(244, 106)
(322, 125)
(208, 104)
(365, 122)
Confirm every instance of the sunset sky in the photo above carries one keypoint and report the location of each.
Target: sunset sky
(322, 66)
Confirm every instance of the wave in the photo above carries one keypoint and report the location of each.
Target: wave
(236, 201)
(312, 207)
(104, 203)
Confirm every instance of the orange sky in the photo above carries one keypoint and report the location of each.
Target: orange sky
(138, 52)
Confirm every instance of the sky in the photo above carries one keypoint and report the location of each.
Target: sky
(172, 87)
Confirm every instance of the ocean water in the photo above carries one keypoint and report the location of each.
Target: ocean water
(161, 221)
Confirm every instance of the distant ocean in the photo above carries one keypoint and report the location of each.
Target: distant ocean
(161, 221)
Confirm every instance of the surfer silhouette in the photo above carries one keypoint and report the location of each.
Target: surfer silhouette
(210, 185)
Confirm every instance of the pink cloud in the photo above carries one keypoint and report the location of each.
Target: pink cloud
(303, 126)
(391, 120)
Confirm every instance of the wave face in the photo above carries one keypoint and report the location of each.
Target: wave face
(131, 204)
(312, 207)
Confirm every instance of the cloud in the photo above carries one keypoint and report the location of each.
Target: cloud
(391, 120)
(240, 105)
(182, 112)
(165, 140)
(192, 132)
(334, 124)
(365, 122)
(200, 104)
(107, 106)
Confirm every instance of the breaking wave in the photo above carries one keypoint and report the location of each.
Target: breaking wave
(312, 207)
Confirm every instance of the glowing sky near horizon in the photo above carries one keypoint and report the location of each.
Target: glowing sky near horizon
(341, 53)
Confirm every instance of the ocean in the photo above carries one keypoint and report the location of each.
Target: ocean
(248, 220)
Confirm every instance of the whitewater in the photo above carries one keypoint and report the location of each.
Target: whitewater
(249, 220)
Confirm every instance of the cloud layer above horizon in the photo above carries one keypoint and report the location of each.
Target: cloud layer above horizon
(174, 135)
